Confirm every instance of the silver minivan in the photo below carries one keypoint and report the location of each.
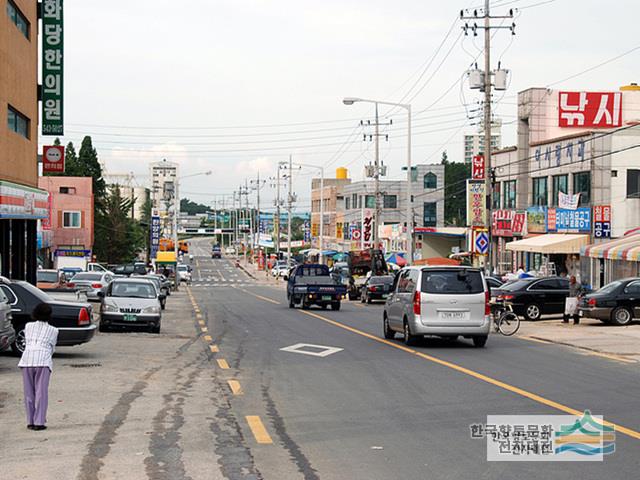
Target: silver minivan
(446, 301)
(7, 333)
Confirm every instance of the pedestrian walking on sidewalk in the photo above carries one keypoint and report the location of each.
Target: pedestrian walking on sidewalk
(571, 302)
(36, 364)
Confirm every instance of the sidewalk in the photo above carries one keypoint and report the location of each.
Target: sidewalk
(260, 275)
(592, 336)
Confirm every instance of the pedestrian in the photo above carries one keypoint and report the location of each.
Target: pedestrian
(571, 302)
(36, 365)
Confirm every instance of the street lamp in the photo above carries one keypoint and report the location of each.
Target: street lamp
(409, 214)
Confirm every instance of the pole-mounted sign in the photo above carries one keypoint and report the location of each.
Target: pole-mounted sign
(52, 68)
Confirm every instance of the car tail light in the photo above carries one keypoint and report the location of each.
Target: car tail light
(487, 305)
(83, 317)
(591, 302)
(372, 289)
(96, 285)
(416, 303)
(508, 297)
(71, 284)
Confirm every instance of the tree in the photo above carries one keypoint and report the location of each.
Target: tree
(192, 208)
(123, 236)
(455, 201)
(88, 161)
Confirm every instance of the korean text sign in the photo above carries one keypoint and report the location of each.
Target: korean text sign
(155, 235)
(477, 167)
(602, 221)
(52, 68)
(571, 221)
(53, 159)
(476, 204)
(590, 109)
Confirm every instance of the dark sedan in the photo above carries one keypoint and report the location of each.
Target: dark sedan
(617, 303)
(376, 288)
(72, 319)
(533, 297)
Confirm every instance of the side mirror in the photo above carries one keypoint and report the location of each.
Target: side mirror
(101, 294)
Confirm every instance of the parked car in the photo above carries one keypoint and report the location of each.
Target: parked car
(312, 284)
(184, 273)
(280, 270)
(91, 283)
(70, 272)
(533, 297)
(50, 279)
(130, 302)
(157, 283)
(230, 251)
(376, 288)
(493, 282)
(7, 333)
(438, 301)
(165, 283)
(617, 303)
(72, 319)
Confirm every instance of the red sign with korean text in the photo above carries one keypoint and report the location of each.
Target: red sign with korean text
(519, 221)
(53, 159)
(602, 213)
(477, 167)
(502, 223)
(551, 219)
(590, 109)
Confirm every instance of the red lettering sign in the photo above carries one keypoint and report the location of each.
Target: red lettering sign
(602, 213)
(53, 159)
(590, 109)
(551, 219)
(502, 223)
(517, 226)
(477, 167)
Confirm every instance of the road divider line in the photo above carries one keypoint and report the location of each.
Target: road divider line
(222, 363)
(266, 299)
(257, 428)
(208, 338)
(201, 322)
(479, 376)
(235, 387)
(213, 348)
(204, 329)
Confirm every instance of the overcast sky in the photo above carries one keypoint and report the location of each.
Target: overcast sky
(235, 86)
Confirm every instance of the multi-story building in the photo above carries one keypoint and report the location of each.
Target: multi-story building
(572, 180)
(474, 142)
(348, 202)
(129, 189)
(21, 202)
(164, 194)
(71, 221)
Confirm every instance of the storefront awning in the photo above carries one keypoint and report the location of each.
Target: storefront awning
(550, 243)
(617, 249)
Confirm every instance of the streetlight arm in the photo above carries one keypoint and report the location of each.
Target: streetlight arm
(352, 100)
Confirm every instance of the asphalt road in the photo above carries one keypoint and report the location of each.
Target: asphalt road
(378, 410)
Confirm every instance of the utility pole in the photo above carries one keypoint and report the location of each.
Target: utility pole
(289, 202)
(486, 88)
(276, 220)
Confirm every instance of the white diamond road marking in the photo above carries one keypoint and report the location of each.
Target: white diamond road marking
(297, 348)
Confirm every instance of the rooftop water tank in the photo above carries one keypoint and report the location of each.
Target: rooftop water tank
(342, 173)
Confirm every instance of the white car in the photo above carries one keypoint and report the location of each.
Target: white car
(230, 251)
(280, 270)
(184, 272)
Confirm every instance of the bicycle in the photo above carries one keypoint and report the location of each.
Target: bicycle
(505, 321)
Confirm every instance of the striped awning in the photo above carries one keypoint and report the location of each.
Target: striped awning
(625, 248)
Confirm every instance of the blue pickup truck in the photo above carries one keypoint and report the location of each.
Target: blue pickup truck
(312, 284)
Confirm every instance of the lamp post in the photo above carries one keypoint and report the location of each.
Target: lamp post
(409, 214)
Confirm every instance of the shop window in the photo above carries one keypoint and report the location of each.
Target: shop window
(560, 184)
(582, 185)
(430, 180)
(509, 199)
(430, 214)
(495, 200)
(633, 183)
(16, 122)
(390, 201)
(71, 219)
(370, 201)
(347, 203)
(18, 18)
(540, 194)
(68, 190)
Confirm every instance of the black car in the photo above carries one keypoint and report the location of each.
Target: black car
(216, 252)
(617, 303)
(533, 297)
(376, 288)
(72, 319)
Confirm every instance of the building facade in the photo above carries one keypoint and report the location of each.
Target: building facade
(22, 203)
(71, 222)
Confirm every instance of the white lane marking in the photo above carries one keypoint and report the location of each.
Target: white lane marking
(320, 350)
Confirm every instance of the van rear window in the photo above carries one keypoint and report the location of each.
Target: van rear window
(452, 282)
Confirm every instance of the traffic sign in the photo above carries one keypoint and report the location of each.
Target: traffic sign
(481, 243)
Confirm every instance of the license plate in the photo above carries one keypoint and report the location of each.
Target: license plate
(453, 315)
(327, 297)
(130, 317)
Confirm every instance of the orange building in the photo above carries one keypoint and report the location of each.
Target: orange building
(21, 202)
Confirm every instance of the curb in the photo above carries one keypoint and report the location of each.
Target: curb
(244, 269)
(613, 356)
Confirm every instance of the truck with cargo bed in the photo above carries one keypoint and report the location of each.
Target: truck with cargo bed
(312, 284)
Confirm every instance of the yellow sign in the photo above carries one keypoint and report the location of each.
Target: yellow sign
(315, 228)
(339, 230)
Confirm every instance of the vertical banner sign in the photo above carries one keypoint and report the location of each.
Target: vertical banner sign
(155, 236)
(52, 68)
(307, 232)
(476, 204)
(53, 159)
(367, 228)
(477, 167)
(602, 221)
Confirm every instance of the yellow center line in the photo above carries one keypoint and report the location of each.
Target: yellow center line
(201, 322)
(204, 329)
(519, 391)
(207, 338)
(213, 348)
(258, 430)
(222, 363)
(266, 299)
(235, 387)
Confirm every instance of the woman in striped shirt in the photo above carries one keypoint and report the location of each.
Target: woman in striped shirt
(36, 365)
